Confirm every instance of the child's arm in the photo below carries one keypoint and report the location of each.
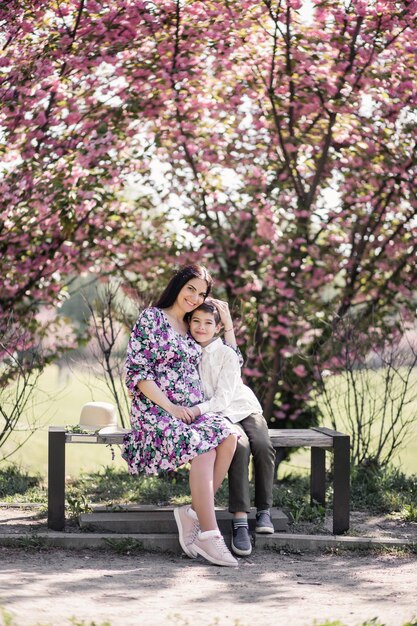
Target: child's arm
(226, 320)
(228, 380)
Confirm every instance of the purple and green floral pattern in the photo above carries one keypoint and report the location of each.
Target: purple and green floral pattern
(159, 441)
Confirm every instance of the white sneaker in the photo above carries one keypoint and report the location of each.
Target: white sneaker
(188, 528)
(211, 546)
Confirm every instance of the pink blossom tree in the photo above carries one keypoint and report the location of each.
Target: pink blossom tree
(292, 139)
(287, 137)
(70, 139)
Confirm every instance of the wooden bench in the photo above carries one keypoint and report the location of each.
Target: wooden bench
(318, 439)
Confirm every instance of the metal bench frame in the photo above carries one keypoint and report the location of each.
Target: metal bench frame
(318, 439)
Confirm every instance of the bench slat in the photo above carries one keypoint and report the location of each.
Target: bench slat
(303, 437)
(281, 438)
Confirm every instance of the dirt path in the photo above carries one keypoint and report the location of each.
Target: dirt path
(52, 586)
(269, 588)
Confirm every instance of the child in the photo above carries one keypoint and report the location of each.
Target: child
(227, 395)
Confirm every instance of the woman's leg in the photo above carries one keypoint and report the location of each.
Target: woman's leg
(206, 475)
(202, 489)
(224, 456)
(208, 542)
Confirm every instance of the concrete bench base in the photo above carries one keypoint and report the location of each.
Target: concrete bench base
(149, 542)
(161, 520)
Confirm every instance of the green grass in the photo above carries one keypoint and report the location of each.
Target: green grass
(342, 403)
(7, 620)
(125, 546)
(115, 486)
(372, 622)
(57, 401)
(59, 398)
(382, 492)
(379, 395)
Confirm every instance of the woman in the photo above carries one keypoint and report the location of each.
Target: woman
(162, 376)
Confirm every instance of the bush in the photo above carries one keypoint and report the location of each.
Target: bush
(382, 490)
(292, 494)
(14, 481)
(116, 485)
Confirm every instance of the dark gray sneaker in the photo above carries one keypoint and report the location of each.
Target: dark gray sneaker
(241, 541)
(264, 523)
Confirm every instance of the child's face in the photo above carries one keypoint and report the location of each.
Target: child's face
(203, 327)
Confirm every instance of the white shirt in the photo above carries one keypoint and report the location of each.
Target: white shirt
(222, 384)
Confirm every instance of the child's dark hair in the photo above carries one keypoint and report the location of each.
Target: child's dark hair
(209, 307)
(177, 282)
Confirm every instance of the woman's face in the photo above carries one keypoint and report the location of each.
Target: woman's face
(192, 294)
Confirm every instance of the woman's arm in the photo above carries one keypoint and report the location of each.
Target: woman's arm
(150, 389)
(140, 364)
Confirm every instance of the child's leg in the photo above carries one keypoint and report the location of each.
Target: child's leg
(224, 456)
(239, 494)
(263, 453)
(202, 489)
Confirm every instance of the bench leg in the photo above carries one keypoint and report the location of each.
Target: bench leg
(341, 483)
(56, 480)
(318, 476)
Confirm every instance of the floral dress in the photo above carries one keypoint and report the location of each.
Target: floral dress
(159, 441)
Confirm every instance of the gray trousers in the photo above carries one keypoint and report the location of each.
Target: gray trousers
(254, 440)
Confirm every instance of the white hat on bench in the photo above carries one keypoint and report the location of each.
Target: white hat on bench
(101, 417)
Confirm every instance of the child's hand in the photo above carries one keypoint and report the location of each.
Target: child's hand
(225, 317)
(183, 413)
(196, 411)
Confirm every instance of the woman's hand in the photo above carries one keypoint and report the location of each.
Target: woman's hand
(183, 413)
(225, 317)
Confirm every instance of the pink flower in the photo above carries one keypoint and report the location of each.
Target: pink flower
(300, 370)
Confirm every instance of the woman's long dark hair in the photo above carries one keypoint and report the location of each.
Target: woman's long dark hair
(177, 282)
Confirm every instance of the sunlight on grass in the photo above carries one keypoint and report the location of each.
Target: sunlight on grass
(378, 401)
(58, 400)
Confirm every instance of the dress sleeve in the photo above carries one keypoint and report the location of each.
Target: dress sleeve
(142, 349)
(224, 393)
(237, 351)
